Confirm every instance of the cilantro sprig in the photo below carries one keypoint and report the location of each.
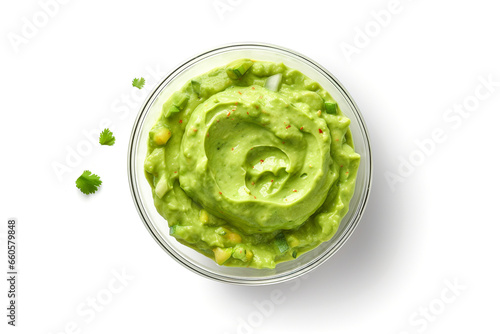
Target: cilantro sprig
(88, 183)
(139, 83)
(106, 137)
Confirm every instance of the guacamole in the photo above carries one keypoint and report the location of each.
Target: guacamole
(252, 164)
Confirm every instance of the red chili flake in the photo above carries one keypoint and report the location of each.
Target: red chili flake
(342, 166)
(195, 130)
(220, 194)
(229, 113)
(288, 126)
(284, 123)
(302, 128)
(236, 103)
(256, 107)
(283, 143)
(255, 197)
(232, 148)
(253, 166)
(239, 92)
(248, 113)
(261, 161)
(253, 87)
(218, 120)
(180, 121)
(272, 180)
(347, 172)
(252, 148)
(208, 134)
(294, 190)
(253, 183)
(232, 119)
(336, 140)
(175, 172)
(320, 131)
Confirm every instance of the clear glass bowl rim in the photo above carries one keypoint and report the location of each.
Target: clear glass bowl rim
(131, 170)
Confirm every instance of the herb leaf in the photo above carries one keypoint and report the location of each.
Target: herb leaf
(139, 83)
(106, 137)
(88, 183)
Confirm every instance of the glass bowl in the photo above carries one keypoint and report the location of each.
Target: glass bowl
(158, 226)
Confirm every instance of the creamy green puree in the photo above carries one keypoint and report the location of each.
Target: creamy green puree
(252, 164)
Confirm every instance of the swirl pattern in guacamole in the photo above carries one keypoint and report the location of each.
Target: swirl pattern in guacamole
(252, 164)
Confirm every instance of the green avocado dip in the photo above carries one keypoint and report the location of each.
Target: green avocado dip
(252, 164)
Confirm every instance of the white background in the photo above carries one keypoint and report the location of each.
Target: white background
(438, 226)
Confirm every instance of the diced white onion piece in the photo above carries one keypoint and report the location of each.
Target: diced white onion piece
(162, 187)
(273, 82)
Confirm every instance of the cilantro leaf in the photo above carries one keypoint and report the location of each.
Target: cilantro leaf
(106, 137)
(88, 183)
(139, 83)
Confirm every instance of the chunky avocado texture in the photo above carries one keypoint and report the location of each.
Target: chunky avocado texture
(252, 171)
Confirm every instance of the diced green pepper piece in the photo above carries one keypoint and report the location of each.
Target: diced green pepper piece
(280, 241)
(171, 110)
(331, 108)
(177, 102)
(294, 254)
(180, 100)
(238, 68)
(196, 85)
(174, 109)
